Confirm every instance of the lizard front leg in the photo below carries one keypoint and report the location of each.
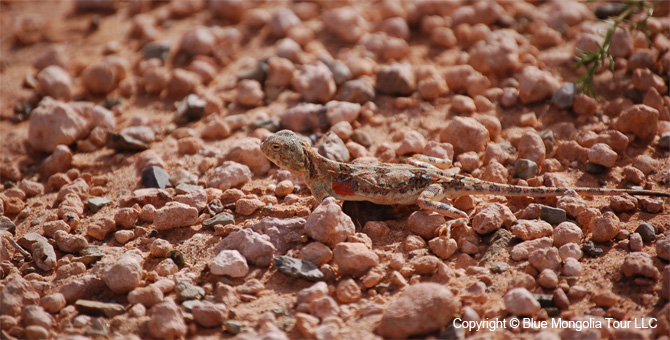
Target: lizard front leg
(429, 199)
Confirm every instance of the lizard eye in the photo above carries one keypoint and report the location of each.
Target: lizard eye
(275, 147)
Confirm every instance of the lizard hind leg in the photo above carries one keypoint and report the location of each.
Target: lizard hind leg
(429, 199)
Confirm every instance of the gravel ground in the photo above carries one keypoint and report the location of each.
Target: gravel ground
(136, 202)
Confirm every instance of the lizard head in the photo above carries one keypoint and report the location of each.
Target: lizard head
(287, 150)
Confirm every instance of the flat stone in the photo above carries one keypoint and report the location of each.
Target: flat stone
(97, 308)
(155, 177)
(188, 291)
(647, 231)
(553, 215)
(223, 219)
(298, 268)
(184, 188)
(124, 143)
(96, 203)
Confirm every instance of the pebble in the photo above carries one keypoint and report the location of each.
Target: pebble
(572, 267)
(545, 258)
(522, 250)
(525, 168)
(491, 218)
(229, 174)
(535, 85)
(42, 251)
(570, 250)
(16, 294)
(340, 70)
(102, 77)
(317, 253)
(354, 258)
(605, 227)
(280, 72)
(36, 332)
(155, 177)
(567, 232)
(315, 83)
(602, 154)
(125, 273)
(167, 267)
(548, 279)
(520, 302)
(635, 242)
(54, 123)
(187, 291)
(97, 308)
(256, 248)
(124, 236)
(424, 223)
(55, 82)
(328, 224)
(552, 215)
(499, 267)
(639, 264)
(420, 309)
(159, 248)
(564, 96)
(207, 314)
(345, 23)
(411, 143)
(591, 250)
(605, 299)
(94, 204)
(229, 262)
(298, 268)
(249, 93)
(664, 142)
(175, 214)
(356, 91)
(222, 219)
(337, 112)
(463, 104)
(663, 248)
(147, 296)
(166, 321)
(53, 303)
(531, 229)
(332, 147)
(640, 120)
(465, 134)
(182, 83)
(651, 205)
(348, 291)
(396, 79)
(246, 206)
(198, 40)
(190, 109)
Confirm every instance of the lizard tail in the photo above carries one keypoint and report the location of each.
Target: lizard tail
(513, 190)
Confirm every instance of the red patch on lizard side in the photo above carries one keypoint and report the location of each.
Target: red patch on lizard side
(343, 187)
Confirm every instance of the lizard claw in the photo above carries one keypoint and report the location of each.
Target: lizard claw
(445, 230)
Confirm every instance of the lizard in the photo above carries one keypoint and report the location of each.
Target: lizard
(402, 184)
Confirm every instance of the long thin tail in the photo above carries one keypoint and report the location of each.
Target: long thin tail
(479, 186)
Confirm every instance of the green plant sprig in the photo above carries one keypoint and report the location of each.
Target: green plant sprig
(594, 59)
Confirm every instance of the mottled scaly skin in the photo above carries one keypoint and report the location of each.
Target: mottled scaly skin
(385, 183)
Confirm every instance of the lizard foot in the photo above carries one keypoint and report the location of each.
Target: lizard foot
(445, 230)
